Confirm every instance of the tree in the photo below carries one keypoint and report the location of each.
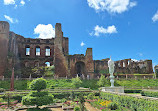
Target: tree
(76, 82)
(37, 97)
(102, 81)
(44, 71)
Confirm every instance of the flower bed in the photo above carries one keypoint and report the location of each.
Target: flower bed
(132, 102)
(150, 93)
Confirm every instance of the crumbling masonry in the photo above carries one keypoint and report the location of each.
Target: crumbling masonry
(19, 52)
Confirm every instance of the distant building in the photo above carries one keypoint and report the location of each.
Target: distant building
(21, 53)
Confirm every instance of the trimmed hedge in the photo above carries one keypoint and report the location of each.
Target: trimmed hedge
(150, 93)
(131, 102)
(68, 94)
(132, 90)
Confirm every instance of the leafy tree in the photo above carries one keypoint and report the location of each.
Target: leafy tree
(102, 81)
(44, 71)
(49, 71)
(76, 82)
(37, 97)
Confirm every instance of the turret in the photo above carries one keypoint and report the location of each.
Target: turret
(4, 38)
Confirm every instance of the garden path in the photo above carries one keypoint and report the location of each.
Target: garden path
(90, 108)
(57, 109)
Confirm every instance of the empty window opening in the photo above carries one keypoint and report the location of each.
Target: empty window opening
(47, 51)
(27, 49)
(47, 64)
(124, 64)
(37, 51)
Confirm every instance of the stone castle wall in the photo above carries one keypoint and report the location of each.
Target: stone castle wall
(13, 54)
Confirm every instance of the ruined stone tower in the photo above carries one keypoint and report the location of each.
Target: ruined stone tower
(4, 38)
(61, 69)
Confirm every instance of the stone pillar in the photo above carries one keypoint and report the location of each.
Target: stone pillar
(4, 38)
(89, 63)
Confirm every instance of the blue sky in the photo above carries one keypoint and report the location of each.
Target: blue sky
(118, 28)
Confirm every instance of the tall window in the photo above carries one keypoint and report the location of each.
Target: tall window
(47, 64)
(47, 51)
(27, 50)
(37, 51)
(124, 64)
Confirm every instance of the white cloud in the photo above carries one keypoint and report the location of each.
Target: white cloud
(10, 19)
(132, 4)
(15, 6)
(155, 17)
(8, 2)
(112, 6)
(82, 44)
(101, 30)
(45, 31)
(135, 60)
(140, 54)
(22, 2)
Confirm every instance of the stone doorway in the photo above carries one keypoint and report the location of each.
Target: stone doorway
(80, 68)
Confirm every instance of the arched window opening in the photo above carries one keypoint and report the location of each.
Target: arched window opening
(37, 51)
(47, 64)
(27, 50)
(47, 51)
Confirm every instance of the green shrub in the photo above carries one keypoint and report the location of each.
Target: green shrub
(2, 90)
(39, 101)
(76, 82)
(103, 81)
(17, 97)
(72, 95)
(76, 108)
(37, 98)
(38, 94)
(38, 84)
(91, 96)
(112, 106)
(150, 93)
(1, 99)
(81, 101)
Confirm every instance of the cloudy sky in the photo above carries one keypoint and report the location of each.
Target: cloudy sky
(118, 28)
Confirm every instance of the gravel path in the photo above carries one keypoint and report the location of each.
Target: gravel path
(90, 108)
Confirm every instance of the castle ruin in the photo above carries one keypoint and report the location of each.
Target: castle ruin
(20, 52)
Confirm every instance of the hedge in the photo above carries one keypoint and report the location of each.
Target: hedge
(131, 102)
(56, 95)
(132, 90)
(150, 93)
